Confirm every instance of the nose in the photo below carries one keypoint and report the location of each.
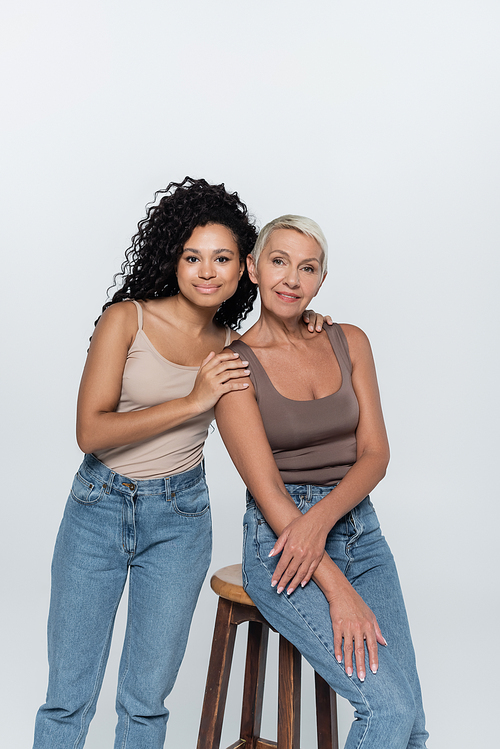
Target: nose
(206, 269)
(292, 277)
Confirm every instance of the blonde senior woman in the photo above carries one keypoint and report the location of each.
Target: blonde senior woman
(312, 448)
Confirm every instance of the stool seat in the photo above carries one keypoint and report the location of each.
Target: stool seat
(235, 607)
(228, 583)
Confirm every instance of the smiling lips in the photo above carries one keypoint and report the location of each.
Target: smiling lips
(207, 288)
(286, 297)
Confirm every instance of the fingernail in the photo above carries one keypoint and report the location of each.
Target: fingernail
(385, 641)
(271, 554)
(246, 371)
(349, 671)
(361, 677)
(244, 363)
(303, 584)
(373, 669)
(290, 591)
(274, 583)
(318, 328)
(236, 356)
(280, 590)
(310, 328)
(339, 658)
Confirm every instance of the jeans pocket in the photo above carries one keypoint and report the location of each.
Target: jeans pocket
(85, 492)
(192, 501)
(265, 538)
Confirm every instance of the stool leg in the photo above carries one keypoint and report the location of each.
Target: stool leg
(326, 714)
(253, 690)
(217, 678)
(289, 696)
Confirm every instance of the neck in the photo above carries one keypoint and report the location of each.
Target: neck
(188, 316)
(269, 328)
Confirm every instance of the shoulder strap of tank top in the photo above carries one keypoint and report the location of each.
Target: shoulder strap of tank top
(139, 313)
(339, 345)
(228, 336)
(257, 371)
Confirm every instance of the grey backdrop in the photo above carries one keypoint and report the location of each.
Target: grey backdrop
(378, 119)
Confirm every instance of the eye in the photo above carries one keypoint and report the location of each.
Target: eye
(222, 259)
(191, 258)
(309, 269)
(278, 261)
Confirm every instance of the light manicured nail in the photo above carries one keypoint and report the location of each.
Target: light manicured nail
(280, 590)
(290, 591)
(373, 669)
(274, 583)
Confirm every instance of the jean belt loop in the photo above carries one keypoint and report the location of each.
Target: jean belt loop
(109, 482)
(167, 487)
(309, 492)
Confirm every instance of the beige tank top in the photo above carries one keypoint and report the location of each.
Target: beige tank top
(150, 379)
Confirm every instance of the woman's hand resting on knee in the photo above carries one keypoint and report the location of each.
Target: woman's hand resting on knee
(353, 622)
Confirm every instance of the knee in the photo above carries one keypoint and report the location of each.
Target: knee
(394, 715)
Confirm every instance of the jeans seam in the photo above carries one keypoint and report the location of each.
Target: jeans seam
(119, 691)
(96, 689)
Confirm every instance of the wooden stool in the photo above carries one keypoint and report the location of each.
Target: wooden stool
(236, 607)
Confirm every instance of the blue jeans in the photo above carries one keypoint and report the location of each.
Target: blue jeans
(388, 704)
(159, 532)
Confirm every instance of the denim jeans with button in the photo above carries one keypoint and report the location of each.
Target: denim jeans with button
(388, 704)
(157, 532)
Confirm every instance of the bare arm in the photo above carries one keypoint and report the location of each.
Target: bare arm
(99, 426)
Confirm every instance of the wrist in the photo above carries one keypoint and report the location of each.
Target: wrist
(191, 405)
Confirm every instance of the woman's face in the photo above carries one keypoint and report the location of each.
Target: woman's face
(209, 267)
(288, 272)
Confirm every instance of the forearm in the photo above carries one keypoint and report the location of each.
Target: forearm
(359, 481)
(106, 429)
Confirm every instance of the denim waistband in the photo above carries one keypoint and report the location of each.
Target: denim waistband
(301, 491)
(139, 487)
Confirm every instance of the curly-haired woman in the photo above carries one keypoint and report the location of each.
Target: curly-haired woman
(139, 503)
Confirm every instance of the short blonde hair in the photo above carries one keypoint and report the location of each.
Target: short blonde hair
(301, 224)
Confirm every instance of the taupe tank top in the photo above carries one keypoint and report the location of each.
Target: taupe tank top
(150, 379)
(313, 441)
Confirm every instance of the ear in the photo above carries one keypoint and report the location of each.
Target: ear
(242, 268)
(252, 269)
(322, 281)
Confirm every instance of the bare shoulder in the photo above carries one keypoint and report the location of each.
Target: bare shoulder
(357, 340)
(118, 320)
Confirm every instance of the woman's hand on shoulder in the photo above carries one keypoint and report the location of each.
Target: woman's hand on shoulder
(219, 374)
(314, 320)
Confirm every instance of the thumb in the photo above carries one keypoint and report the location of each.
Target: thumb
(207, 358)
(279, 545)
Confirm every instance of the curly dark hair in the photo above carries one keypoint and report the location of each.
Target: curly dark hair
(149, 268)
